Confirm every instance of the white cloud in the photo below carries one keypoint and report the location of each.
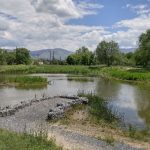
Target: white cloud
(132, 27)
(37, 24)
(141, 9)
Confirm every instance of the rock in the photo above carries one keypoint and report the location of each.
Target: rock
(59, 104)
(11, 111)
(4, 113)
(56, 113)
(84, 100)
(60, 109)
(70, 97)
(63, 106)
(1, 113)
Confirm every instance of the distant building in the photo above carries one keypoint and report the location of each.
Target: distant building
(40, 63)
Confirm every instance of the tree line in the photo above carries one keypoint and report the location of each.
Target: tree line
(17, 56)
(108, 53)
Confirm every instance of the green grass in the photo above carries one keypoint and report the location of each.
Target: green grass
(24, 80)
(122, 73)
(130, 74)
(16, 141)
(99, 110)
(134, 133)
(44, 69)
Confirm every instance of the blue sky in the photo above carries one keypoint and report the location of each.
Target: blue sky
(70, 24)
(112, 12)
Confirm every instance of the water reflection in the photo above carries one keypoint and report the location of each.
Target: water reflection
(107, 89)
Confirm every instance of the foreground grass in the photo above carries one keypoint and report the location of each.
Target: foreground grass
(122, 73)
(15, 141)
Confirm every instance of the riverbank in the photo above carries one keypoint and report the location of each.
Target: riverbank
(76, 130)
(100, 121)
(131, 74)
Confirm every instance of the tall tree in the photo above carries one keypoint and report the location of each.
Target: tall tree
(2, 57)
(82, 57)
(107, 51)
(22, 56)
(142, 55)
(11, 57)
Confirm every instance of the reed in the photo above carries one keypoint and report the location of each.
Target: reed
(23, 141)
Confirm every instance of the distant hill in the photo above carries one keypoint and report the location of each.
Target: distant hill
(45, 53)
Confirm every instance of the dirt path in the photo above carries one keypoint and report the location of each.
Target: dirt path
(34, 116)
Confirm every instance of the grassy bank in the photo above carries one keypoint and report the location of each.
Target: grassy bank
(131, 74)
(15, 141)
(122, 73)
(97, 120)
(44, 69)
(24, 81)
(99, 110)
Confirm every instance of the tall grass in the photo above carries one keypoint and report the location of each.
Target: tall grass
(99, 110)
(24, 80)
(44, 69)
(23, 141)
(130, 75)
(115, 72)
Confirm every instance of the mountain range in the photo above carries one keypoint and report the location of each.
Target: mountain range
(62, 54)
(58, 53)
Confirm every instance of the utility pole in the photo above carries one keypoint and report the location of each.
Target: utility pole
(53, 55)
(50, 55)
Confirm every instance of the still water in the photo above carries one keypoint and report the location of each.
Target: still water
(132, 101)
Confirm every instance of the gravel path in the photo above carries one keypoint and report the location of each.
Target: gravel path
(34, 116)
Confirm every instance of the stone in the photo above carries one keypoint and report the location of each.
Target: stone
(56, 113)
(84, 100)
(70, 97)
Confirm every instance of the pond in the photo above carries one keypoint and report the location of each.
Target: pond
(132, 101)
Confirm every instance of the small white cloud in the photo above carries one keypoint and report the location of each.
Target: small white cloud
(141, 9)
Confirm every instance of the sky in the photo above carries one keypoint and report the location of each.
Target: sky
(71, 24)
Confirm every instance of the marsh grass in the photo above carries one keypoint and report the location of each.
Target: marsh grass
(137, 134)
(25, 81)
(44, 69)
(23, 141)
(99, 110)
(130, 74)
(122, 73)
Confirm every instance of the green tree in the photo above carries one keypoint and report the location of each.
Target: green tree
(22, 56)
(71, 60)
(2, 57)
(11, 57)
(107, 52)
(81, 57)
(142, 55)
